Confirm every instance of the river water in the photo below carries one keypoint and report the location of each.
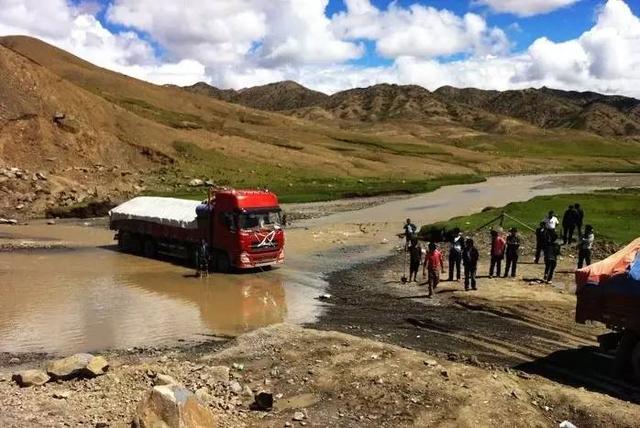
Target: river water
(89, 297)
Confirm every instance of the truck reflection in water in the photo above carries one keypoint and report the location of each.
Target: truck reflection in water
(93, 299)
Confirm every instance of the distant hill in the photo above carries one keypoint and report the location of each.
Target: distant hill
(278, 96)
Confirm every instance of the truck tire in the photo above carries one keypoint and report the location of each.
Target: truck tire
(222, 262)
(635, 362)
(149, 248)
(622, 363)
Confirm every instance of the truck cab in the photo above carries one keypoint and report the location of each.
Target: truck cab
(244, 229)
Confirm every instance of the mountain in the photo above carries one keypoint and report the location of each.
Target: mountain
(278, 96)
(73, 134)
(484, 110)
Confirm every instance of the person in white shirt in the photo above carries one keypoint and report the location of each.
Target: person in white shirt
(551, 221)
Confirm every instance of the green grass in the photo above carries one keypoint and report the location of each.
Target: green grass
(553, 145)
(395, 148)
(614, 214)
(291, 184)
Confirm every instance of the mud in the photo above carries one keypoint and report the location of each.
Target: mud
(514, 324)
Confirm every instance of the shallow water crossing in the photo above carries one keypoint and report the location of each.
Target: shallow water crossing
(90, 297)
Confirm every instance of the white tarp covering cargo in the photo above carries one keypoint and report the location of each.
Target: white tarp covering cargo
(168, 211)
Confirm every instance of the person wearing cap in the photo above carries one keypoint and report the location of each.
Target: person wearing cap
(585, 245)
(513, 247)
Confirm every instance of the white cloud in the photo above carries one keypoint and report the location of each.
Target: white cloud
(418, 31)
(76, 30)
(525, 7)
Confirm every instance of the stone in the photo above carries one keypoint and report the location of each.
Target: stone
(238, 366)
(31, 378)
(14, 360)
(196, 182)
(263, 401)
(78, 365)
(163, 379)
(172, 406)
(202, 394)
(61, 395)
(298, 416)
(235, 387)
(247, 392)
(430, 363)
(218, 374)
(51, 222)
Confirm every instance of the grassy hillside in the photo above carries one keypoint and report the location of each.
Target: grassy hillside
(613, 214)
(120, 136)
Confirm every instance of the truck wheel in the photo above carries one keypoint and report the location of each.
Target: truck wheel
(635, 362)
(222, 263)
(149, 248)
(622, 362)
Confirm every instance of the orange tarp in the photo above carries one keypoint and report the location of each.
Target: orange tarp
(614, 264)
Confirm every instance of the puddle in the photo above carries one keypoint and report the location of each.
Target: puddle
(83, 300)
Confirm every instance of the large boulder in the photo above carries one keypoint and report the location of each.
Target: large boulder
(172, 406)
(31, 378)
(78, 365)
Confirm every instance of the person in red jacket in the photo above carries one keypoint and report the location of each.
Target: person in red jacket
(497, 253)
(434, 264)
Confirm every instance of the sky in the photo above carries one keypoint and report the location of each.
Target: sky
(332, 45)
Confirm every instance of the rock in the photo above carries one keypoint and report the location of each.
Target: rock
(61, 395)
(263, 401)
(8, 220)
(196, 182)
(172, 406)
(235, 387)
(219, 374)
(238, 366)
(298, 416)
(31, 378)
(51, 222)
(202, 394)
(567, 424)
(19, 207)
(325, 297)
(444, 373)
(78, 365)
(430, 363)
(247, 392)
(287, 424)
(163, 379)
(14, 360)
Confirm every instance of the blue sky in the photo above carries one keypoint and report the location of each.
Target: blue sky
(329, 45)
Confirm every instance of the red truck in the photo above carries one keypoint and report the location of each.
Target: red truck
(606, 292)
(240, 228)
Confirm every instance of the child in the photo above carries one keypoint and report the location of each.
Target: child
(434, 264)
(470, 258)
(415, 256)
(497, 253)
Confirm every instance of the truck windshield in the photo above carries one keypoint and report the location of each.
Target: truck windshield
(260, 220)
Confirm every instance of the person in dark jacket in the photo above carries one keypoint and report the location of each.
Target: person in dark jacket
(497, 253)
(551, 253)
(470, 258)
(455, 254)
(585, 244)
(203, 259)
(540, 236)
(513, 248)
(579, 218)
(415, 256)
(569, 222)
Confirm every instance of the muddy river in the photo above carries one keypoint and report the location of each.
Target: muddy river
(87, 296)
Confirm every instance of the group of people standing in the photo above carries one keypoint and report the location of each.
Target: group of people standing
(463, 253)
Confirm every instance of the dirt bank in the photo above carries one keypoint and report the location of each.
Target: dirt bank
(333, 379)
(514, 323)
